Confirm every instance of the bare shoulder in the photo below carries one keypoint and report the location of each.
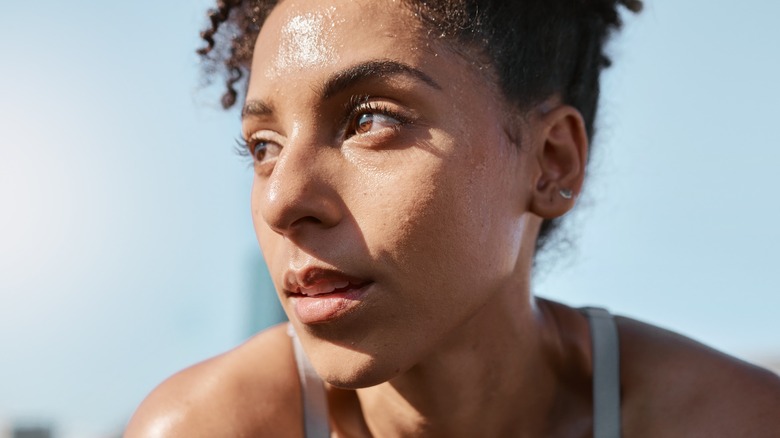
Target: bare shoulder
(252, 390)
(674, 386)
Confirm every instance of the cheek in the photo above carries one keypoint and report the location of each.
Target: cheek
(396, 207)
(480, 217)
(492, 203)
(440, 214)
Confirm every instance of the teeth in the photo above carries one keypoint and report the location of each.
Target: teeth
(323, 288)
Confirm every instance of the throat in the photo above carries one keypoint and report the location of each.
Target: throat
(489, 385)
(530, 382)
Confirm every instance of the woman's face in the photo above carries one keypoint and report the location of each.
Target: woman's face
(388, 199)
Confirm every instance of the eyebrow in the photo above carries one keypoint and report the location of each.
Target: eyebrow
(372, 69)
(256, 108)
(346, 78)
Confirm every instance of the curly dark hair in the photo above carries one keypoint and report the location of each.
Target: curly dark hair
(537, 48)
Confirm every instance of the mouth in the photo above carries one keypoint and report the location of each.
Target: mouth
(319, 296)
(327, 288)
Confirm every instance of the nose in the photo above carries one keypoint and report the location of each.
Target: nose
(300, 193)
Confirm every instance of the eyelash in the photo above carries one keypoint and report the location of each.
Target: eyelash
(362, 104)
(355, 107)
(247, 148)
(244, 148)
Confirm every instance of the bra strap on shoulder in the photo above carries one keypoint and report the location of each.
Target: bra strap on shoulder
(606, 373)
(315, 402)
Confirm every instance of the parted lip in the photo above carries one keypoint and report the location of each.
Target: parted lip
(319, 281)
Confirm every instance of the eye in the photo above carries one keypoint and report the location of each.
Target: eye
(367, 117)
(260, 148)
(369, 121)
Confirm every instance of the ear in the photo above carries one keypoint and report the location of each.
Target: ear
(561, 152)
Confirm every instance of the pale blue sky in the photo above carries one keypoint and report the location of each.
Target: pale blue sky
(126, 246)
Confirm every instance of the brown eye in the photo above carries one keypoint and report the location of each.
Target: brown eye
(263, 150)
(364, 123)
(258, 150)
(369, 122)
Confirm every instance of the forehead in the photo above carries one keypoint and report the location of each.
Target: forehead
(301, 37)
(306, 36)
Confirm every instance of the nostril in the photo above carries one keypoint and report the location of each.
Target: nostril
(310, 220)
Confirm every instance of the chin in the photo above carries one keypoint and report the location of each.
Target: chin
(349, 369)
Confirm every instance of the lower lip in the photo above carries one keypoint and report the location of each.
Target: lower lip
(327, 307)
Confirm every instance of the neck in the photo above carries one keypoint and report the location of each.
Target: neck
(499, 375)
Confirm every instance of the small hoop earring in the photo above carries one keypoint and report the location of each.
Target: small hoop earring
(566, 193)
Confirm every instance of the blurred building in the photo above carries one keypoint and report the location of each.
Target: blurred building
(26, 430)
(33, 432)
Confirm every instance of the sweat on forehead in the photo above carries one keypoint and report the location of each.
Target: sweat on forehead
(305, 40)
(300, 36)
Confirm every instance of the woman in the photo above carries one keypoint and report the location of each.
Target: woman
(410, 159)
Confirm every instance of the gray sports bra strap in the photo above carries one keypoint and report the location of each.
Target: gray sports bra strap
(606, 373)
(315, 402)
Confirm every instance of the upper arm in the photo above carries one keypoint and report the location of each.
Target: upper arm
(744, 401)
(250, 391)
(674, 386)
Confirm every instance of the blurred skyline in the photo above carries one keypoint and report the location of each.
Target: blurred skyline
(126, 245)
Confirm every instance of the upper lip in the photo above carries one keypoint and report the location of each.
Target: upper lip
(317, 281)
